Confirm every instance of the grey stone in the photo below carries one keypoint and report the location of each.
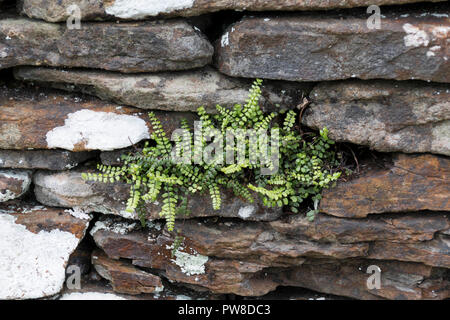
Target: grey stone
(49, 119)
(43, 159)
(387, 116)
(125, 47)
(323, 47)
(181, 91)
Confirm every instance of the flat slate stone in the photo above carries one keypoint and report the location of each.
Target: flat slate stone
(402, 227)
(43, 159)
(125, 47)
(433, 253)
(56, 10)
(124, 277)
(313, 47)
(42, 119)
(251, 259)
(180, 91)
(387, 116)
(274, 246)
(410, 183)
(399, 280)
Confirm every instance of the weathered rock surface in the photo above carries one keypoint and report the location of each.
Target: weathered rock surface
(398, 228)
(69, 190)
(13, 184)
(333, 47)
(35, 246)
(151, 249)
(411, 183)
(287, 243)
(260, 243)
(181, 91)
(39, 119)
(125, 47)
(433, 253)
(124, 277)
(53, 10)
(42, 159)
(252, 259)
(224, 276)
(387, 116)
(399, 280)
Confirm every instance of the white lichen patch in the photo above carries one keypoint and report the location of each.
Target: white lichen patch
(190, 264)
(225, 41)
(432, 51)
(246, 212)
(138, 9)
(79, 213)
(90, 296)
(7, 195)
(32, 265)
(128, 215)
(113, 226)
(440, 32)
(415, 37)
(32, 209)
(96, 130)
(159, 289)
(154, 225)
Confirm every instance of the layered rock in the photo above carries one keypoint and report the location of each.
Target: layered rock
(333, 47)
(410, 183)
(152, 249)
(260, 243)
(399, 280)
(251, 259)
(35, 246)
(386, 116)
(435, 252)
(69, 190)
(182, 91)
(39, 119)
(55, 11)
(125, 278)
(43, 159)
(288, 243)
(392, 228)
(125, 47)
(13, 184)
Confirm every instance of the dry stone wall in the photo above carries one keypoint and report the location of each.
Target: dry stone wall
(70, 98)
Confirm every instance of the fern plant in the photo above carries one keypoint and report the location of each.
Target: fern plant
(304, 166)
